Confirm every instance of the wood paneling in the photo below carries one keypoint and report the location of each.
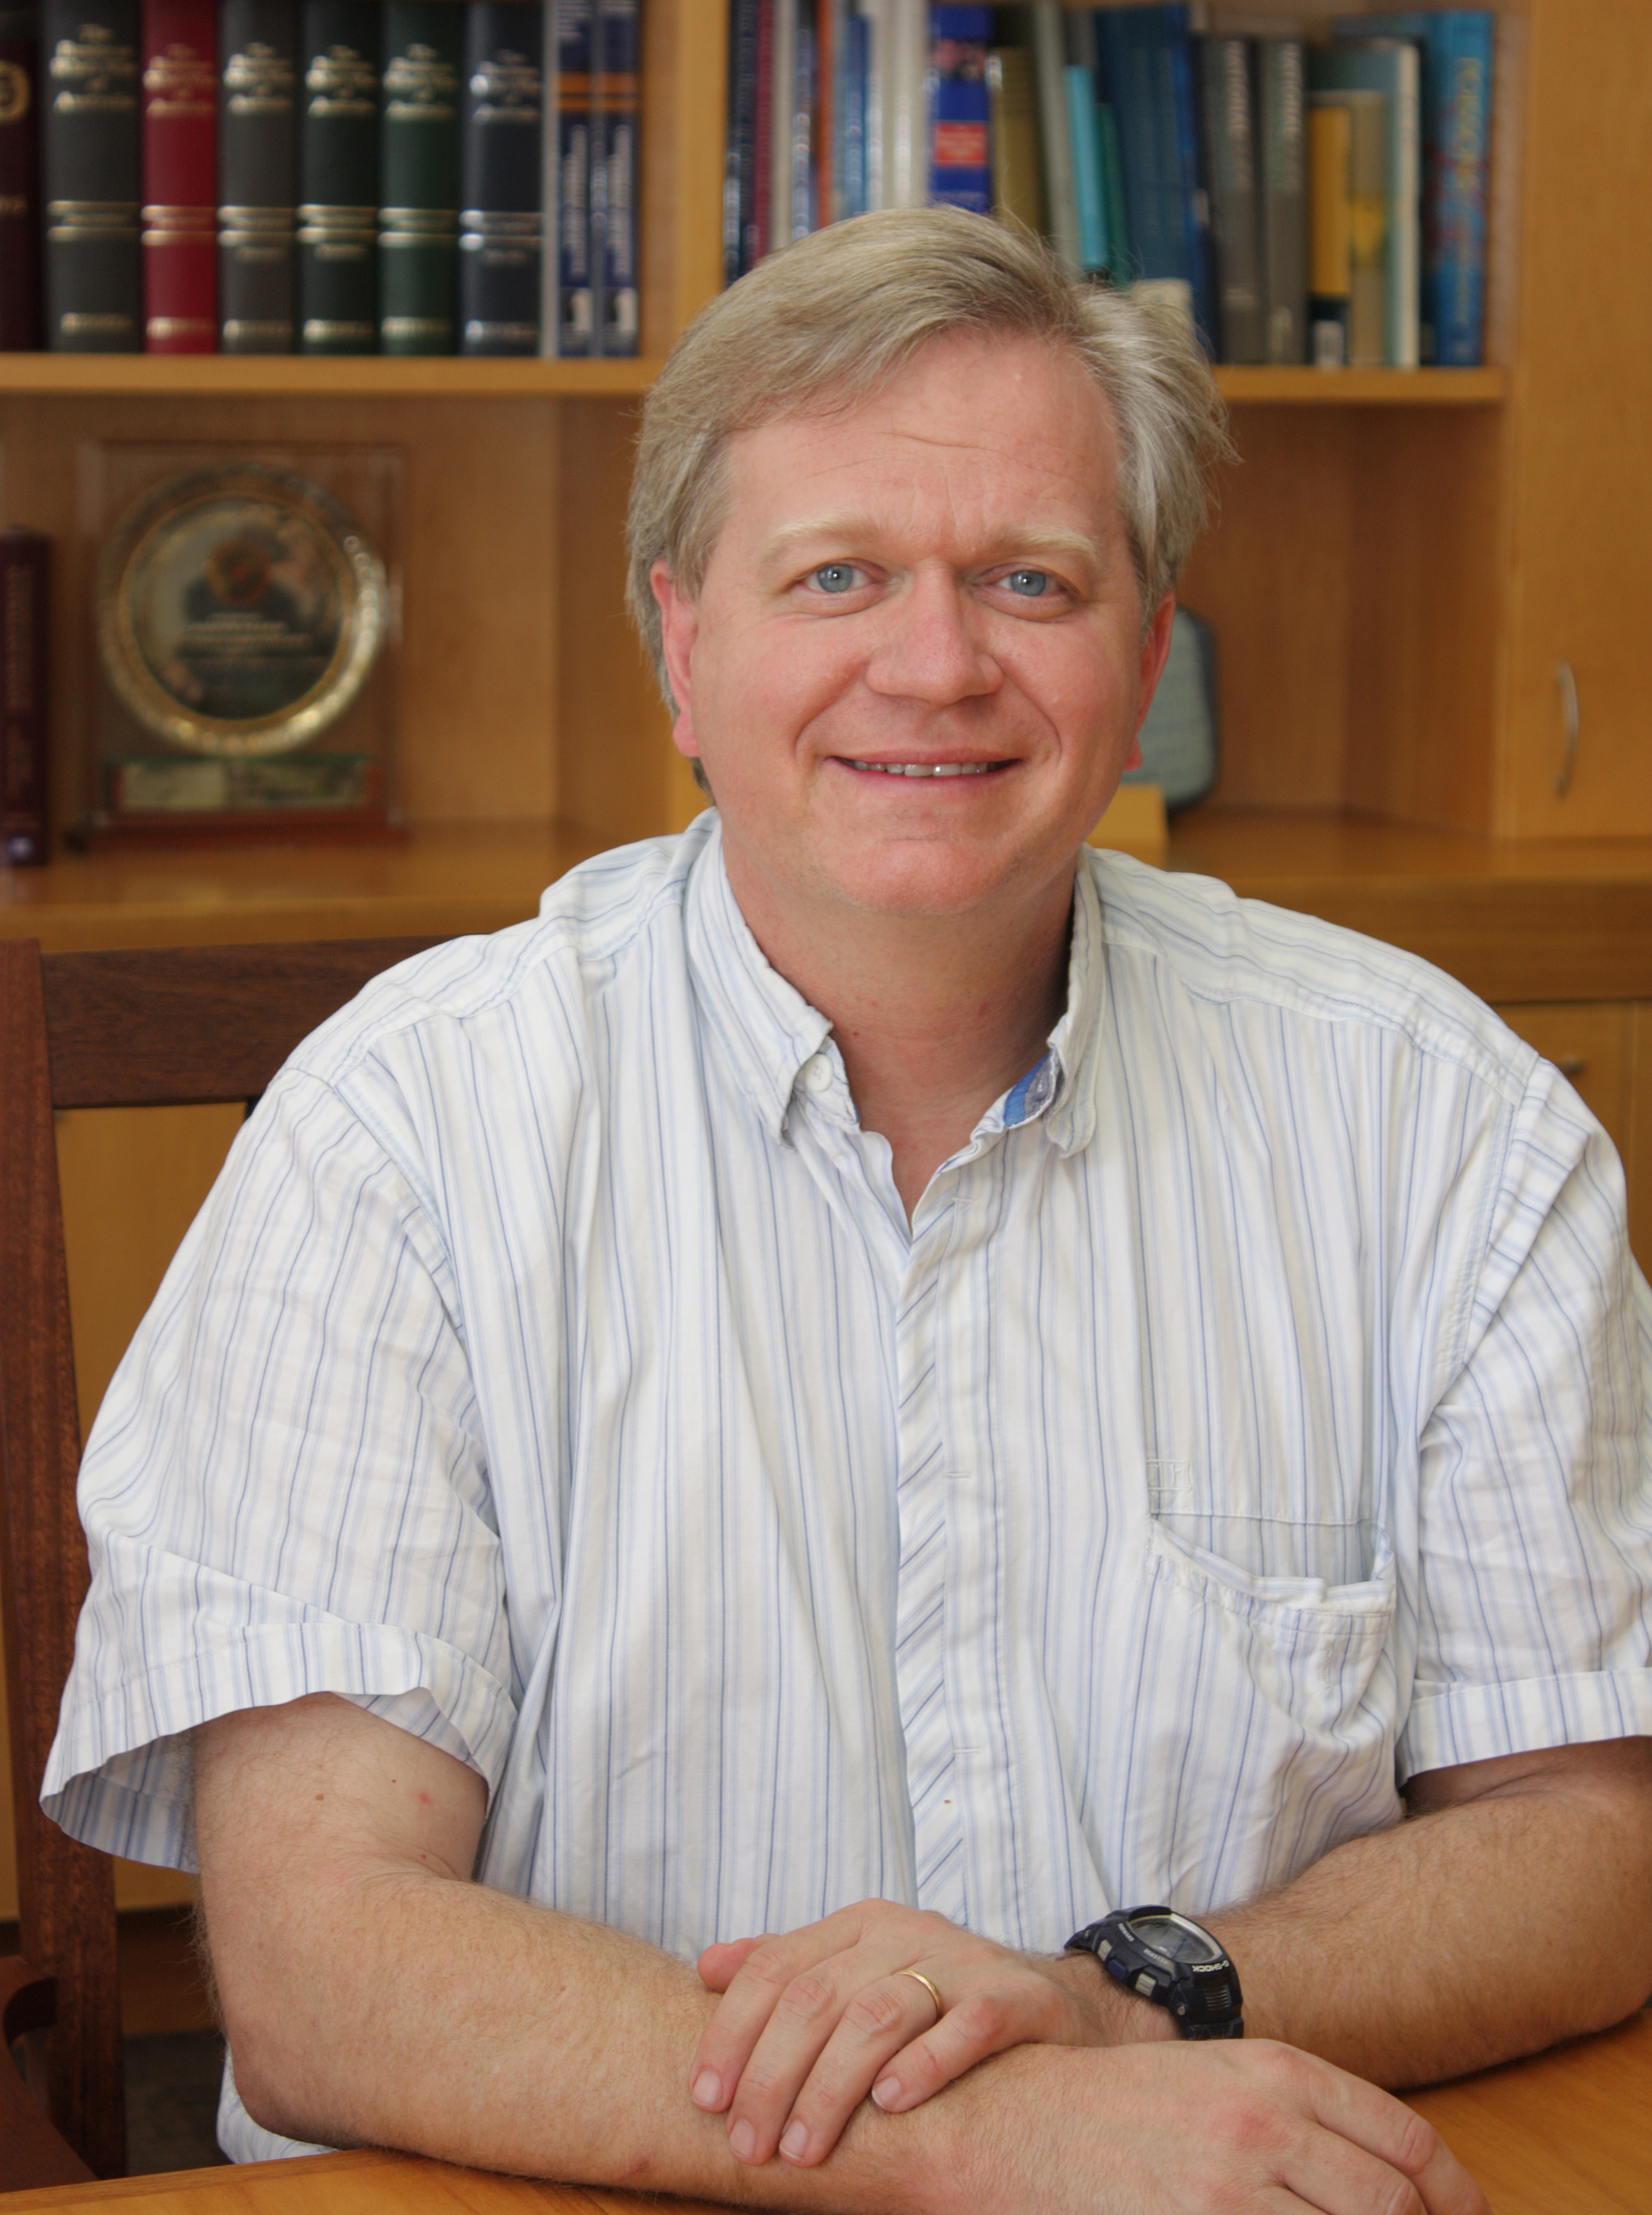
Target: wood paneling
(1638, 1160)
(1581, 572)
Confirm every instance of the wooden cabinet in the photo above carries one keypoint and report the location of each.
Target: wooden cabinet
(1604, 1048)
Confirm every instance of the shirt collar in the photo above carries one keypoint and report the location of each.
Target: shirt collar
(769, 1030)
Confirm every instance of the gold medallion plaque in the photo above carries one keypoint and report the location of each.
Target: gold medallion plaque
(239, 611)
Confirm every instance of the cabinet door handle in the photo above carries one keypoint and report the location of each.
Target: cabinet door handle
(1572, 1066)
(1567, 681)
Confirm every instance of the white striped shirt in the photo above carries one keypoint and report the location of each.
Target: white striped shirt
(1254, 1412)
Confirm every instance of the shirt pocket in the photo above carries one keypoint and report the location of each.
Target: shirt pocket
(1263, 1723)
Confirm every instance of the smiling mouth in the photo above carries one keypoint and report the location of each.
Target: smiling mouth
(929, 769)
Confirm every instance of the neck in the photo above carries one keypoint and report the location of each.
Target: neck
(935, 1016)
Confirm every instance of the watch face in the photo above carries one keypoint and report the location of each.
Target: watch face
(1175, 1939)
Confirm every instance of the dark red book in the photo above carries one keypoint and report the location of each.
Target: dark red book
(181, 176)
(23, 572)
(20, 169)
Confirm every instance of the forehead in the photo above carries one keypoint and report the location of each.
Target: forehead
(974, 423)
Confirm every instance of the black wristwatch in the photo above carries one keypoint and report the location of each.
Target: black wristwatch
(1173, 1961)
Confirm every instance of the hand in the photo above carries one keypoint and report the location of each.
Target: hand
(1251, 2128)
(809, 2024)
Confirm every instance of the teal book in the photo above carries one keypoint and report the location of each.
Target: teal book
(1085, 138)
(1118, 220)
(1394, 68)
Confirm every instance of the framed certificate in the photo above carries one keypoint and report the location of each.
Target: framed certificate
(245, 618)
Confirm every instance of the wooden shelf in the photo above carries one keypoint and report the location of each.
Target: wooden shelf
(1538, 919)
(349, 376)
(1363, 388)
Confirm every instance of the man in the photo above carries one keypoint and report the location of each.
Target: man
(878, 1377)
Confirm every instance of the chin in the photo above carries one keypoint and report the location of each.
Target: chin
(927, 881)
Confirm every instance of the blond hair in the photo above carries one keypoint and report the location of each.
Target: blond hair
(835, 317)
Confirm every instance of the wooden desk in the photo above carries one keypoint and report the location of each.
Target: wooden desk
(1570, 2133)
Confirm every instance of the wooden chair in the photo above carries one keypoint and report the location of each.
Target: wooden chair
(190, 1025)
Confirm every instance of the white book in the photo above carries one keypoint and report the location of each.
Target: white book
(876, 15)
(905, 150)
(550, 196)
(783, 99)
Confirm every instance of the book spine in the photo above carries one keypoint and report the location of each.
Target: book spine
(575, 326)
(822, 185)
(802, 122)
(337, 261)
(1230, 142)
(739, 147)
(257, 147)
(1060, 188)
(418, 155)
(1085, 137)
(905, 172)
(1192, 196)
(961, 171)
(1406, 211)
(613, 210)
(834, 134)
(180, 176)
(1012, 123)
(1125, 64)
(25, 557)
(1330, 271)
(500, 142)
(1119, 262)
(1281, 108)
(20, 196)
(755, 244)
(1457, 286)
(90, 172)
(874, 13)
(783, 68)
(858, 81)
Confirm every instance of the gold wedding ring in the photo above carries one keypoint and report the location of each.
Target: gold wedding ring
(918, 1977)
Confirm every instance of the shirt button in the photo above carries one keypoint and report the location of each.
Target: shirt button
(816, 1072)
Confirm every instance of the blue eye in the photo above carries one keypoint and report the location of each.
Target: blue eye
(835, 577)
(1028, 584)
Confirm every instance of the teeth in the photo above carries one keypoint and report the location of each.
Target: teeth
(928, 769)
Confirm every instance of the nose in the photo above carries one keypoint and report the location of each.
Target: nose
(931, 649)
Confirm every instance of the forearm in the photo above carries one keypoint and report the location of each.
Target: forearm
(1469, 1934)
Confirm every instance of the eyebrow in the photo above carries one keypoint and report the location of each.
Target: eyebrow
(849, 530)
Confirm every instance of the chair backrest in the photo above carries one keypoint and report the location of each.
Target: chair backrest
(180, 1025)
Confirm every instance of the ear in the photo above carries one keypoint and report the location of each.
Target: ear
(1155, 653)
(679, 626)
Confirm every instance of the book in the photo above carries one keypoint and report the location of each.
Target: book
(25, 574)
(19, 187)
(804, 166)
(179, 238)
(1331, 269)
(1188, 209)
(740, 140)
(1226, 85)
(1282, 144)
(501, 118)
(569, 252)
(1391, 68)
(613, 177)
(336, 275)
(874, 15)
(856, 96)
(419, 183)
(1060, 186)
(256, 175)
(89, 161)
(1083, 134)
(783, 70)
(1126, 74)
(1012, 110)
(758, 223)
(1118, 225)
(961, 171)
(1457, 46)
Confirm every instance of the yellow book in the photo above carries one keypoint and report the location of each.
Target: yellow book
(1017, 173)
(1331, 267)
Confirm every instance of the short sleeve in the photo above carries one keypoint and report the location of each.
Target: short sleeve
(286, 1491)
(1535, 1535)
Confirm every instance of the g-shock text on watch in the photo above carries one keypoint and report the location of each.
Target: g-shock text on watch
(1172, 1961)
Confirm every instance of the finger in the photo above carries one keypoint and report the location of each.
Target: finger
(720, 1964)
(749, 2000)
(1397, 2135)
(982, 2024)
(800, 2110)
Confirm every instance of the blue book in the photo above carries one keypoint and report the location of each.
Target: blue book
(1457, 45)
(1118, 229)
(1085, 131)
(575, 322)
(1190, 200)
(857, 81)
(1125, 66)
(961, 174)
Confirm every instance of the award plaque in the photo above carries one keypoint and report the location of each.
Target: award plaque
(244, 614)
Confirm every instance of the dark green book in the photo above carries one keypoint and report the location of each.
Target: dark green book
(338, 177)
(419, 177)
